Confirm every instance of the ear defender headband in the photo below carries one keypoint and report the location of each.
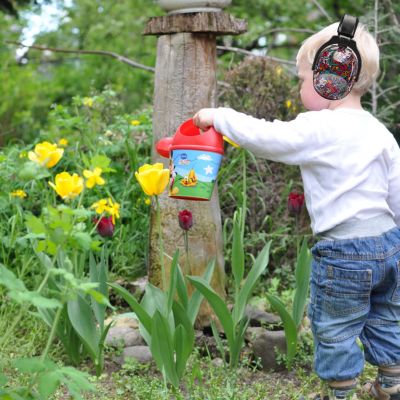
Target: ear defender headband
(337, 63)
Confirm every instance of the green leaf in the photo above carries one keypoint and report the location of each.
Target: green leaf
(155, 299)
(9, 280)
(33, 365)
(35, 298)
(218, 341)
(162, 347)
(172, 281)
(48, 383)
(197, 297)
(83, 240)
(258, 268)
(35, 224)
(98, 273)
(100, 161)
(217, 304)
(289, 325)
(76, 382)
(235, 351)
(183, 337)
(82, 319)
(237, 252)
(181, 287)
(303, 270)
(99, 297)
(140, 312)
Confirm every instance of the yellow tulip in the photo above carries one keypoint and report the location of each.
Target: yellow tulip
(46, 154)
(153, 178)
(93, 177)
(67, 186)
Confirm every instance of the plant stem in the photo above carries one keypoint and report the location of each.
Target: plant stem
(47, 348)
(52, 332)
(297, 236)
(10, 330)
(244, 192)
(186, 238)
(164, 279)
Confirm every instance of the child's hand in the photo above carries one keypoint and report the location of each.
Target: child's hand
(204, 118)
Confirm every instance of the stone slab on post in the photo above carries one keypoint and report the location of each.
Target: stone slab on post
(185, 81)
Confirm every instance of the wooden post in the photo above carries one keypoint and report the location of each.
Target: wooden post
(185, 81)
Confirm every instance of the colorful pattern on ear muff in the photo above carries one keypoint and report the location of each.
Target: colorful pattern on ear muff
(335, 72)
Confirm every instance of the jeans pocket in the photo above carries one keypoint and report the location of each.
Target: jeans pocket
(347, 291)
(396, 291)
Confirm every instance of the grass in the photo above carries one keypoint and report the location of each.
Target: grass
(204, 379)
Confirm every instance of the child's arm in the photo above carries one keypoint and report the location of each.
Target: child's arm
(293, 142)
(394, 184)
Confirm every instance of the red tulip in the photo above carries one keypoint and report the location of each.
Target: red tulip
(295, 203)
(185, 218)
(105, 226)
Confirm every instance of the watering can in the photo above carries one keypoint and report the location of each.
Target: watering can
(194, 161)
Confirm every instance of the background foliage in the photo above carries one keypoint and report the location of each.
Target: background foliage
(33, 83)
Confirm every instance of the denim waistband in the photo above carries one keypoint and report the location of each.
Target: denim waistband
(360, 228)
(363, 248)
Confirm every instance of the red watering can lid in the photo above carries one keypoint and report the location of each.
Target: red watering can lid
(188, 136)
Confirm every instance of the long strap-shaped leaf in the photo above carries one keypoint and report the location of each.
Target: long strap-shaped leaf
(172, 281)
(181, 288)
(197, 297)
(237, 252)
(289, 325)
(258, 268)
(162, 347)
(141, 313)
(303, 270)
(183, 338)
(83, 321)
(218, 305)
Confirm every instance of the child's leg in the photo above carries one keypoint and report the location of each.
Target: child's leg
(338, 310)
(381, 333)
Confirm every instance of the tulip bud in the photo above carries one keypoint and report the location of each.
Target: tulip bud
(295, 203)
(185, 218)
(105, 226)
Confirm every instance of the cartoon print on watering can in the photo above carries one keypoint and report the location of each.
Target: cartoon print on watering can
(195, 159)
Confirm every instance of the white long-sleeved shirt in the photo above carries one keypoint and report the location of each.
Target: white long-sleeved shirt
(349, 161)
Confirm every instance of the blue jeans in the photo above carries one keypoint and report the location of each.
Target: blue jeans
(355, 293)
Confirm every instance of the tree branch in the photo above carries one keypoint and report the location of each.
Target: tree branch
(301, 30)
(241, 51)
(323, 11)
(119, 57)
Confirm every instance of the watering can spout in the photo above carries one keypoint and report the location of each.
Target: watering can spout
(163, 146)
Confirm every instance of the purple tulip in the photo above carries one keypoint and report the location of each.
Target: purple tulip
(185, 218)
(295, 203)
(105, 226)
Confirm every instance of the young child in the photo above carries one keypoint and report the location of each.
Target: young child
(350, 166)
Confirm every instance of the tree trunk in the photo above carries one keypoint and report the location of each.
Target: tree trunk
(185, 82)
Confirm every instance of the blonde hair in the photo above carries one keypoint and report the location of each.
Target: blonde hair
(366, 45)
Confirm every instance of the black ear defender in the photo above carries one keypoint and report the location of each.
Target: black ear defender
(337, 63)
